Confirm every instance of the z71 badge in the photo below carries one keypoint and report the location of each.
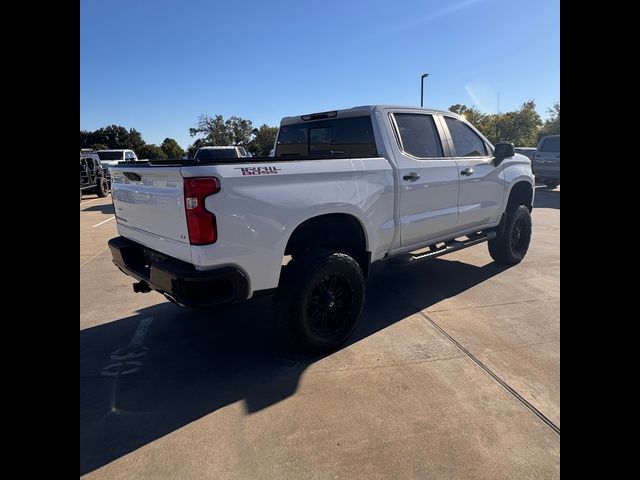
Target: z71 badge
(259, 170)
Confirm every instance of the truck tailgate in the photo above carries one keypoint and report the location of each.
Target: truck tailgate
(149, 207)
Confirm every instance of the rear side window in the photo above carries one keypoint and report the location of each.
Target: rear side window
(551, 144)
(340, 137)
(466, 142)
(110, 155)
(418, 135)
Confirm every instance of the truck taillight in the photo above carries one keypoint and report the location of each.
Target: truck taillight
(200, 222)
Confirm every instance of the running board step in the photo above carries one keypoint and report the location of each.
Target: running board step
(451, 246)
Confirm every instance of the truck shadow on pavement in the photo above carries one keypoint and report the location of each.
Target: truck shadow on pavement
(192, 363)
(106, 209)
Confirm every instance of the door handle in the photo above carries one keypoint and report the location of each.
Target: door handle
(467, 172)
(412, 177)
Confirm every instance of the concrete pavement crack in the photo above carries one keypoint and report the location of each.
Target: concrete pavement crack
(492, 305)
(485, 368)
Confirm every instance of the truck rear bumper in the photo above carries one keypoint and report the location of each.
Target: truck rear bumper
(179, 280)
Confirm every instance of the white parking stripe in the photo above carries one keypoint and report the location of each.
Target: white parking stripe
(104, 221)
(90, 201)
(141, 332)
(94, 256)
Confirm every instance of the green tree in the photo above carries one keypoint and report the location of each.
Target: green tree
(114, 136)
(171, 148)
(472, 115)
(213, 129)
(216, 131)
(99, 146)
(239, 130)
(86, 139)
(263, 140)
(134, 140)
(520, 127)
(151, 152)
(552, 124)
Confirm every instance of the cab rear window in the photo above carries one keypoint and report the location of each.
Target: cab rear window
(339, 137)
(215, 153)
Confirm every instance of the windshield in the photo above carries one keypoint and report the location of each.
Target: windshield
(215, 153)
(110, 155)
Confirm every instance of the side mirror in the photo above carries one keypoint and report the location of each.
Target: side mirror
(502, 151)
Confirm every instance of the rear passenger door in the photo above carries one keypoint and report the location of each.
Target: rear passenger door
(481, 192)
(428, 180)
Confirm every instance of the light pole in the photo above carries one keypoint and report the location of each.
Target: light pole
(424, 75)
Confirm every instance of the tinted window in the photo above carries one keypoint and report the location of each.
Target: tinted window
(128, 155)
(340, 137)
(110, 155)
(418, 134)
(215, 153)
(551, 144)
(466, 142)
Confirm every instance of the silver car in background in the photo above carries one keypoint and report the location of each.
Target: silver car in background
(546, 161)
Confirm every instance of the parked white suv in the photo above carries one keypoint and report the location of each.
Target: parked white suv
(345, 189)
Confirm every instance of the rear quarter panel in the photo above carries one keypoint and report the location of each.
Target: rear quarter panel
(260, 205)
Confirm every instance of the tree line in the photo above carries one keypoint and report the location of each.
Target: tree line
(116, 136)
(523, 127)
(211, 131)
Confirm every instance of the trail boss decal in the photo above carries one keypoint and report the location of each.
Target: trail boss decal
(259, 170)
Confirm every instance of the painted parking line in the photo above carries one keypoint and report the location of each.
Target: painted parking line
(90, 201)
(104, 249)
(104, 221)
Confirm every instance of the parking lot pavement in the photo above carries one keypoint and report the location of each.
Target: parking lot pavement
(452, 373)
(97, 224)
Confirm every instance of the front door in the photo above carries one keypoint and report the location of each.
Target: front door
(428, 181)
(481, 191)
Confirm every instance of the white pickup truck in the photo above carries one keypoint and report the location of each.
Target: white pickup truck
(109, 158)
(218, 153)
(345, 189)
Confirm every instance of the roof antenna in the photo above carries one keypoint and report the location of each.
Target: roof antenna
(424, 75)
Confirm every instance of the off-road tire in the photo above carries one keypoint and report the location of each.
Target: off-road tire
(102, 187)
(319, 301)
(512, 242)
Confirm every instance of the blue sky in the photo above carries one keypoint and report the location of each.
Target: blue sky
(155, 65)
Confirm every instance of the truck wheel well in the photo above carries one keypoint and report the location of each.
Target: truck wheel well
(521, 194)
(339, 232)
